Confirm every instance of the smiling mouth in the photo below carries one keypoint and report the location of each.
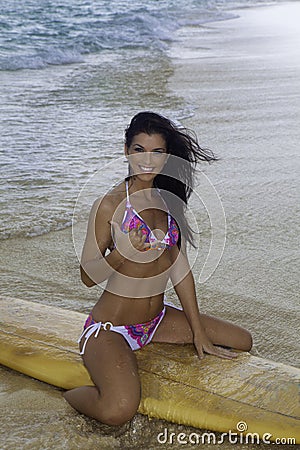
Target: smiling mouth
(146, 169)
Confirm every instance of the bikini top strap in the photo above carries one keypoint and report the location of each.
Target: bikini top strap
(169, 220)
(169, 215)
(128, 204)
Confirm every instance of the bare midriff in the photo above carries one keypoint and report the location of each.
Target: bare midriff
(134, 293)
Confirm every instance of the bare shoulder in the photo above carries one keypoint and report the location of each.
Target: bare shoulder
(109, 203)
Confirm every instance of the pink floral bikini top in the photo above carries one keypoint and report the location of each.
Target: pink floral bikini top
(132, 219)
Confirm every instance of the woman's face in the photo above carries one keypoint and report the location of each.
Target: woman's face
(147, 155)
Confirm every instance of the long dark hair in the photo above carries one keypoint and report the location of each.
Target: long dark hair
(176, 180)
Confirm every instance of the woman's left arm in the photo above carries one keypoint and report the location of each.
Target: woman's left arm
(184, 285)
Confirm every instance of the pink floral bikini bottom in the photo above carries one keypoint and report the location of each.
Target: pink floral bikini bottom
(136, 335)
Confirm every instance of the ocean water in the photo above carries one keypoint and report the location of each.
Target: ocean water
(72, 74)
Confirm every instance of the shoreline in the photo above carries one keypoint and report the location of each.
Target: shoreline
(239, 112)
(36, 264)
(242, 75)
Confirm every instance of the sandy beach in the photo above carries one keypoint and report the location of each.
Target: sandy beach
(243, 75)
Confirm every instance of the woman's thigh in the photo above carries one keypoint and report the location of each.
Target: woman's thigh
(113, 368)
(175, 329)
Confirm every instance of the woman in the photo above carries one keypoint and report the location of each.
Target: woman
(136, 240)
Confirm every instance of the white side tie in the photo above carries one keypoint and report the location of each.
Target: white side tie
(87, 333)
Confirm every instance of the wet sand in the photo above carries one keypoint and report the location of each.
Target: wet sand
(243, 75)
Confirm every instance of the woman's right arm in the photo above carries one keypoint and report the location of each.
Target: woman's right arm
(95, 267)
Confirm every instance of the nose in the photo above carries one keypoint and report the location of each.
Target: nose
(147, 158)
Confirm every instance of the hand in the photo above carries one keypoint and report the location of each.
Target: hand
(128, 244)
(203, 344)
(158, 245)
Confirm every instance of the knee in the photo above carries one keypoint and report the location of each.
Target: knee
(119, 412)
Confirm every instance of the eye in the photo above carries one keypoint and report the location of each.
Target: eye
(138, 149)
(158, 153)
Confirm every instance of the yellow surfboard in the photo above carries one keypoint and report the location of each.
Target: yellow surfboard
(247, 395)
